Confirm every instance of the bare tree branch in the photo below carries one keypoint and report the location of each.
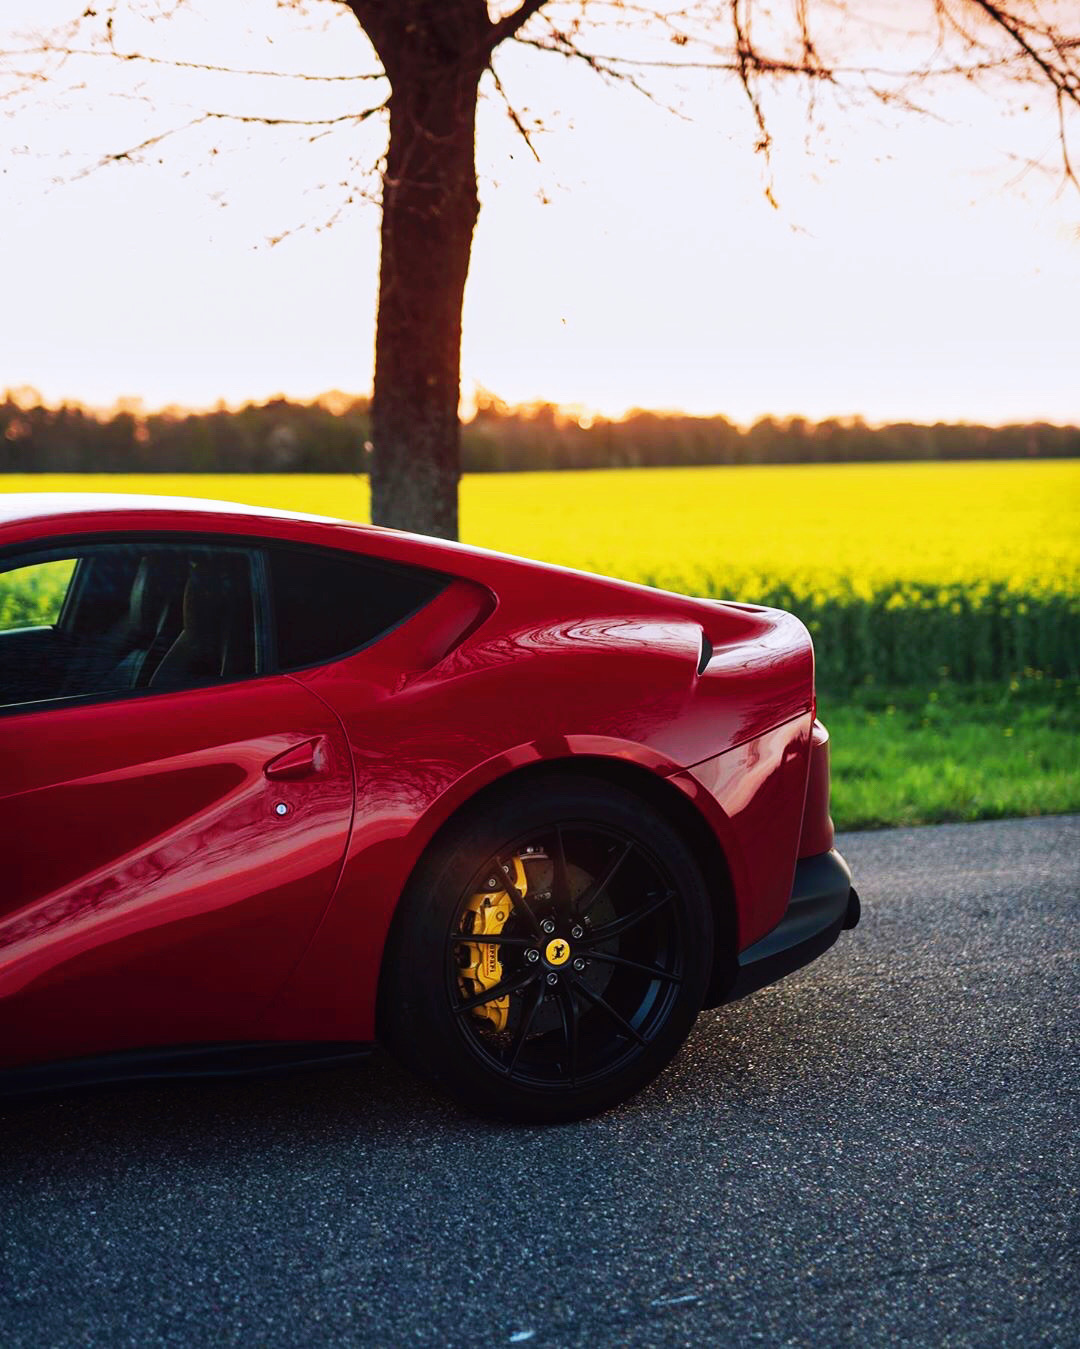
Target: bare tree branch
(112, 55)
(747, 69)
(327, 122)
(1039, 52)
(513, 114)
(514, 23)
(1040, 49)
(561, 44)
(1065, 80)
(767, 65)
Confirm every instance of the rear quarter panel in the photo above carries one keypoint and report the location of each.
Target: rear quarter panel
(551, 675)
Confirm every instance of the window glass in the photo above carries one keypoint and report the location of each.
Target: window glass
(327, 604)
(32, 597)
(137, 617)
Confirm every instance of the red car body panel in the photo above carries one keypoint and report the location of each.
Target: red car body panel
(161, 900)
(818, 835)
(151, 894)
(761, 787)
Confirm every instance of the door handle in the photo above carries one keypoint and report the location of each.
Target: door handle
(302, 761)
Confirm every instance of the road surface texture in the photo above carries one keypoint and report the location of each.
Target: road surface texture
(881, 1149)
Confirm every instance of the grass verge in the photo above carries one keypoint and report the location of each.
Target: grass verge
(930, 754)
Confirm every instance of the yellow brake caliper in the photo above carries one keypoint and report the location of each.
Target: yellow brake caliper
(482, 969)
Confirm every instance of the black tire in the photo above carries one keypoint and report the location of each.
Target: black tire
(602, 964)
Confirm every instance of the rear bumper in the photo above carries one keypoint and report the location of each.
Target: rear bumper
(823, 903)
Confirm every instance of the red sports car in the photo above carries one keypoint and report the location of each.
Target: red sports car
(277, 787)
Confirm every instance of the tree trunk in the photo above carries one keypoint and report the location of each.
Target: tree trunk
(429, 212)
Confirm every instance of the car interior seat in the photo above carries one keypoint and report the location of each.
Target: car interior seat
(130, 650)
(217, 637)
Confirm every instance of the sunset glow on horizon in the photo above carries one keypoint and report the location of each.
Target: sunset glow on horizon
(915, 270)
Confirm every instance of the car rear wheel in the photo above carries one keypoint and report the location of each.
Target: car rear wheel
(551, 954)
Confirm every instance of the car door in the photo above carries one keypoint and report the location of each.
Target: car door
(173, 817)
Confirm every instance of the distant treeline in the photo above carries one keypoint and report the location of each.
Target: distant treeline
(332, 435)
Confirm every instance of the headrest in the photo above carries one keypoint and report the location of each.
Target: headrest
(156, 586)
(210, 598)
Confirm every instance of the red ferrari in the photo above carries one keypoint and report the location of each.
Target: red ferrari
(277, 787)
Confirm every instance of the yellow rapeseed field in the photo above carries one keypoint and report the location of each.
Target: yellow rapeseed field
(903, 571)
(810, 527)
(813, 527)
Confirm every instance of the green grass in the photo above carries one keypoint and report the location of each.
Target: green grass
(928, 754)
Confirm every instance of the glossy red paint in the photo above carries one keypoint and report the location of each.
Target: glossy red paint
(160, 899)
(761, 787)
(152, 895)
(818, 834)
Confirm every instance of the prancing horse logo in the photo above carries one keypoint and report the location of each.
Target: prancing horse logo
(557, 952)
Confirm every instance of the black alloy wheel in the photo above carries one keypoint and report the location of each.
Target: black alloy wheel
(550, 959)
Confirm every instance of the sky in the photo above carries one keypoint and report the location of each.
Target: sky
(913, 268)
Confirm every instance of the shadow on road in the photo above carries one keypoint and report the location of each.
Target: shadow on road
(372, 1098)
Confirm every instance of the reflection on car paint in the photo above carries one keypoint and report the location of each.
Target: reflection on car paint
(209, 917)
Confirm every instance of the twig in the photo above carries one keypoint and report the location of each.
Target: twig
(120, 155)
(190, 65)
(512, 112)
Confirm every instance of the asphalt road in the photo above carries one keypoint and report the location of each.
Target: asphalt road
(881, 1149)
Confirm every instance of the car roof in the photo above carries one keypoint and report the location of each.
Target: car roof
(17, 506)
(21, 511)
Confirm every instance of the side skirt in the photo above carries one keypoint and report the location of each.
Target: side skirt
(228, 1060)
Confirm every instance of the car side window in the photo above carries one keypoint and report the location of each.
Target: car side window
(32, 596)
(115, 619)
(327, 604)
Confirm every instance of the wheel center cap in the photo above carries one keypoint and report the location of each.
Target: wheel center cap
(557, 951)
